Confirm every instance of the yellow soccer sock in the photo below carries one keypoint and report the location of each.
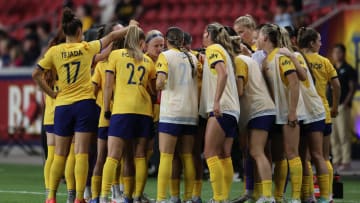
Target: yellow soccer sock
(257, 190)
(69, 169)
(280, 175)
(216, 177)
(331, 176)
(174, 187)
(266, 188)
(228, 176)
(117, 175)
(324, 185)
(140, 175)
(120, 175)
(164, 175)
(56, 172)
(47, 166)
(108, 175)
(128, 186)
(95, 186)
(311, 183)
(189, 175)
(295, 168)
(81, 173)
(149, 153)
(197, 188)
(305, 188)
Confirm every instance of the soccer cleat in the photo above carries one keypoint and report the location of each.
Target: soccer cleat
(87, 193)
(241, 199)
(174, 200)
(71, 196)
(53, 200)
(95, 200)
(265, 200)
(197, 200)
(104, 200)
(322, 200)
(141, 199)
(213, 201)
(115, 191)
(310, 200)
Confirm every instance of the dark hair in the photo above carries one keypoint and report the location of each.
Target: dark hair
(341, 47)
(219, 35)
(45, 26)
(87, 9)
(282, 4)
(70, 23)
(187, 38)
(306, 36)
(105, 29)
(58, 39)
(175, 37)
(273, 32)
(292, 31)
(230, 31)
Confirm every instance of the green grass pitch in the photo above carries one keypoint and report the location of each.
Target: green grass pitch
(24, 184)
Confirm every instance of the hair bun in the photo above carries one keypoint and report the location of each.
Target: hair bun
(68, 15)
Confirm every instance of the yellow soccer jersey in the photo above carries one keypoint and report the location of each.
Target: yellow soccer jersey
(156, 105)
(162, 64)
(323, 71)
(99, 79)
(241, 69)
(285, 65)
(302, 62)
(73, 65)
(214, 54)
(49, 110)
(132, 79)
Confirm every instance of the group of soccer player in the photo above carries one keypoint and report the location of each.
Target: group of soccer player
(125, 85)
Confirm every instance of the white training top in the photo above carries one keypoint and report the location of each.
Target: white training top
(256, 100)
(229, 102)
(314, 107)
(179, 98)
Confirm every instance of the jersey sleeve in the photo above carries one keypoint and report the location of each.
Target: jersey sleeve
(241, 68)
(301, 61)
(286, 65)
(214, 56)
(331, 72)
(95, 46)
(162, 64)
(152, 70)
(96, 78)
(111, 67)
(46, 63)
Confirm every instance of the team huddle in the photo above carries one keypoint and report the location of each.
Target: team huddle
(121, 88)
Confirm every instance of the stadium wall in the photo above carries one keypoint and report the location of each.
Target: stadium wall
(18, 93)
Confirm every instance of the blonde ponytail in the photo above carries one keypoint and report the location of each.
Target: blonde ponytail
(132, 42)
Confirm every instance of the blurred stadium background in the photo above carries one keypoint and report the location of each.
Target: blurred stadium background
(27, 25)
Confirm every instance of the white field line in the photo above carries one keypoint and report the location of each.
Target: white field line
(28, 192)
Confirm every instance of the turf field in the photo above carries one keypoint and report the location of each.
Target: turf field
(24, 184)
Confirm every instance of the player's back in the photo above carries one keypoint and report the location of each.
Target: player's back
(132, 80)
(73, 65)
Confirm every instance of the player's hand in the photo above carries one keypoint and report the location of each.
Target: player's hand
(245, 50)
(133, 23)
(292, 120)
(334, 112)
(217, 111)
(54, 95)
(107, 115)
(285, 51)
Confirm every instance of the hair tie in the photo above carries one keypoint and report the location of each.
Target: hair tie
(152, 37)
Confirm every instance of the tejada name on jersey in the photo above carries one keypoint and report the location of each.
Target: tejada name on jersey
(70, 54)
